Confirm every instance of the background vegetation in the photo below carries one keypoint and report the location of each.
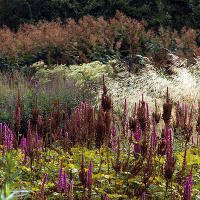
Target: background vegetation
(166, 13)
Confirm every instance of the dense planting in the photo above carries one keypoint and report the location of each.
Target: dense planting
(89, 154)
(91, 39)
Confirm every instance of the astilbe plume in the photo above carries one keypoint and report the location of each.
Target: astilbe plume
(60, 179)
(143, 196)
(65, 183)
(106, 101)
(117, 165)
(106, 198)
(148, 117)
(100, 129)
(1, 135)
(8, 139)
(83, 173)
(162, 145)
(156, 115)
(71, 196)
(141, 115)
(113, 139)
(89, 176)
(43, 184)
(167, 109)
(188, 188)
(133, 124)
(137, 146)
(170, 160)
(182, 171)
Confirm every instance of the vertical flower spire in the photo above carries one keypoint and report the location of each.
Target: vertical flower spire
(65, 183)
(60, 179)
(43, 183)
(89, 176)
(143, 196)
(71, 190)
(188, 188)
(106, 197)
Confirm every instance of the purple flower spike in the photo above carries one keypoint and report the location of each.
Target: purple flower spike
(60, 180)
(143, 196)
(106, 197)
(43, 183)
(137, 147)
(188, 188)
(89, 176)
(71, 189)
(65, 183)
(148, 117)
(174, 196)
(0, 133)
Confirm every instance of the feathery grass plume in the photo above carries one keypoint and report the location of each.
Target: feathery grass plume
(167, 109)
(43, 184)
(71, 195)
(35, 114)
(83, 173)
(60, 179)
(187, 195)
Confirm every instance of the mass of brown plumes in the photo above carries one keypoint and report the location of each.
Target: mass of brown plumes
(80, 38)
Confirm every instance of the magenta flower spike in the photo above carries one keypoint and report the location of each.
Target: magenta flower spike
(106, 197)
(1, 136)
(174, 196)
(137, 147)
(148, 117)
(60, 180)
(10, 140)
(89, 176)
(65, 183)
(143, 196)
(71, 189)
(188, 188)
(43, 183)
